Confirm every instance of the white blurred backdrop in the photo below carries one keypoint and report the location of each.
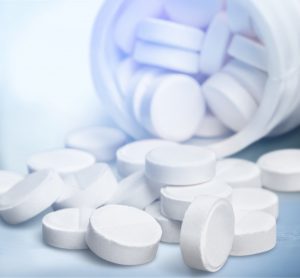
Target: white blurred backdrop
(45, 83)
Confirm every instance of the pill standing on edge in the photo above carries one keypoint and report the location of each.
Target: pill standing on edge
(8, 179)
(100, 141)
(280, 170)
(207, 233)
(229, 101)
(249, 51)
(132, 13)
(255, 199)
(197, 13)
(253, 79)
(180, 165)
(131, 157)
(173, 107)
(96, 185)
(31, 196)
(238, 172)
(170, 228)
(123, 235)
(254, 233)
(170, 33)
(176, 200)
(166, 57)
(216, 41)
(136, 191)
(66, 228)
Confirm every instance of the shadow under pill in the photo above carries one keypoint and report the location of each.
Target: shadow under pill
(91, 257)
(173, 263)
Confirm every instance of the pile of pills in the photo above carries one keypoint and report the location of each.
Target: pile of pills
(189, 68)
(163, 191)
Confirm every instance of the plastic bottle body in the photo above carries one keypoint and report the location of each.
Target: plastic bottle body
(277, 25)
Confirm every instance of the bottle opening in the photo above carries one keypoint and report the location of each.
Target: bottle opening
(145, 53)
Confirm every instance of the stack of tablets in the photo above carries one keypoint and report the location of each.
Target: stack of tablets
(199, 200)
(190, 68)
(170, 192)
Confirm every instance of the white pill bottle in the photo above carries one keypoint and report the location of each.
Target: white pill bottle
(277, 23)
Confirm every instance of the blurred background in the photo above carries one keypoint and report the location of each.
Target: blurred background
(45, 81)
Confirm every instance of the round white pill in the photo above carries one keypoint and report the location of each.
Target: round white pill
(166, 32)
(63, 161)
(214, 49)
(131, 157)
(176, 200)
(66, 228)
(239, 18)
(96, 186)
(124, 73)
(180, 165)
(170, 228)
(207, 233)
(132, 12)
(8, 179)
(249, 51)
(281, 170)
(253, 79)
(229, 101)
(166, 57)
(102, 142)
(193, 12)
(255, 199)
(123, 235)
(136, 191)
(238, 172)
(211, 127)
(31, 196)
(254, 233)
(173, 108)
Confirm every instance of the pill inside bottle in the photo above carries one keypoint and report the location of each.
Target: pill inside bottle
(234, 60)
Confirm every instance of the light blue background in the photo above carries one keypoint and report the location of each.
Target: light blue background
(45, 82)
(45, 91)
